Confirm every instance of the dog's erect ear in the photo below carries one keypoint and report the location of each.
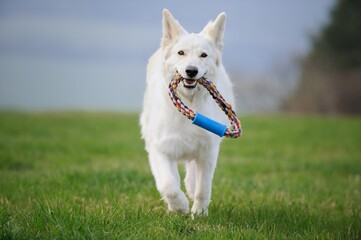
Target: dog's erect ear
(214, 30)
(171, 29)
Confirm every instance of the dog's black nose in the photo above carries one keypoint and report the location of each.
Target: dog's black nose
(191, 71)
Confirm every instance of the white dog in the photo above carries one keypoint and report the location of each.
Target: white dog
(169, 136)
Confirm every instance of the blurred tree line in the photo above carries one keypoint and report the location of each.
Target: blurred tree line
(330, 79)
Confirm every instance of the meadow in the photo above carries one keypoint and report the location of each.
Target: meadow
(72, 175)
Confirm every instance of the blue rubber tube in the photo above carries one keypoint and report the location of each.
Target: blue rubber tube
(209, 124)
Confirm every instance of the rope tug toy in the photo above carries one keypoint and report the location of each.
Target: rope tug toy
(201, 120)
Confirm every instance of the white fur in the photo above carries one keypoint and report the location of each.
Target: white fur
(169, 136)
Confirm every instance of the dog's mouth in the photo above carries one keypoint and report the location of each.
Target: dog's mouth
(189, 83)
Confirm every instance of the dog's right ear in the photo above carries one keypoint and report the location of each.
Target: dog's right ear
(171, 29)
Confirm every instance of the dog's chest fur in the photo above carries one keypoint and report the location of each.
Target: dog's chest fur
(175, 134)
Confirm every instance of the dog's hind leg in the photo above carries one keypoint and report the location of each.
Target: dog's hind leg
(167, 179)
(190, 178)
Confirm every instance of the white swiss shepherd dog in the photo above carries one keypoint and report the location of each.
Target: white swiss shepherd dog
(169, 136)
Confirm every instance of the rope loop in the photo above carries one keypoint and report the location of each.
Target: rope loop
(233, 132)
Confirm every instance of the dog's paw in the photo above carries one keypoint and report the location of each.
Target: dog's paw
(200, 208)
(177, 202)
(199, 213)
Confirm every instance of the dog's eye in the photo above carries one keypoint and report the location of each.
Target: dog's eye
(181, 53)
(204, 55)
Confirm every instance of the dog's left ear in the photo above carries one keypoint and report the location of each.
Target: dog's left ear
(215, 30)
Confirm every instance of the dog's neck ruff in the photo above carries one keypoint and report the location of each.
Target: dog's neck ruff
(233, 132)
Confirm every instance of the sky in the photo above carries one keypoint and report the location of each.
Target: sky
(92, 55)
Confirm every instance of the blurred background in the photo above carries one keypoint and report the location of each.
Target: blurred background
(282, 55)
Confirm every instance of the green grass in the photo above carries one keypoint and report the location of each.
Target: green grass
(86, 176)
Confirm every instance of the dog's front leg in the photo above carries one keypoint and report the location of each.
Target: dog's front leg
(165, 171)
(205, 166)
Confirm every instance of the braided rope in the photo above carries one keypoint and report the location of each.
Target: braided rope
(233, 132)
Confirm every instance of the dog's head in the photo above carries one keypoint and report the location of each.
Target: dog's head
(192, 55)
